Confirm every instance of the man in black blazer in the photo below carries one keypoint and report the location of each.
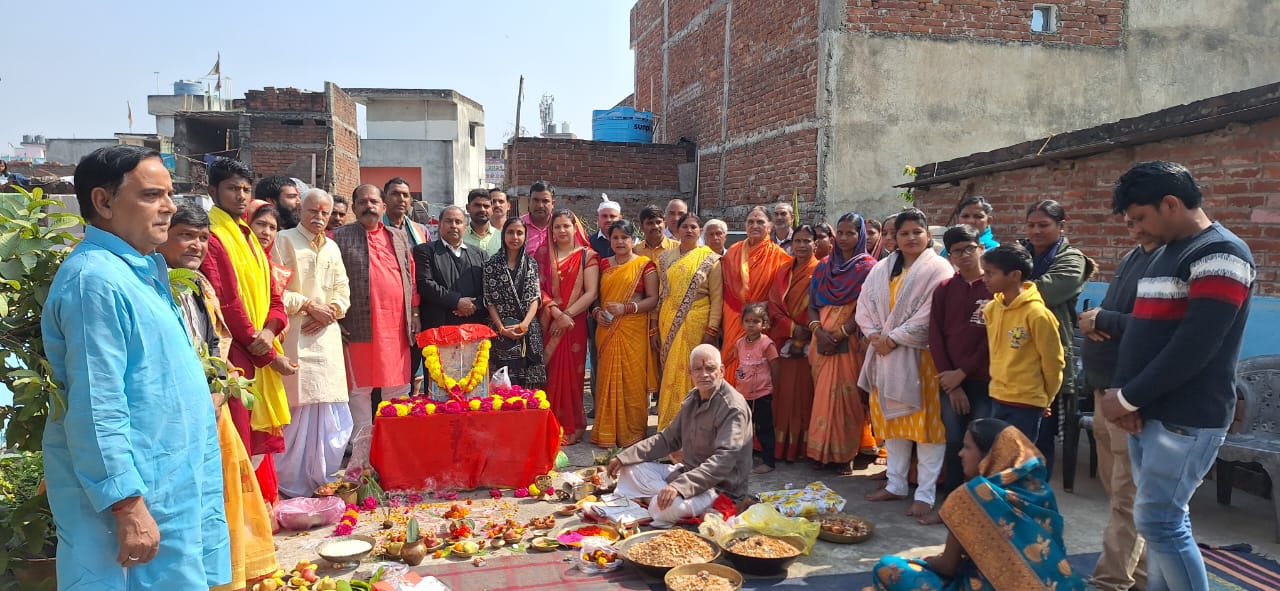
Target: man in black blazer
(450, 276)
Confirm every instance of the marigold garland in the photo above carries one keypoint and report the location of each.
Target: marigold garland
(431, 357)
(514, 398)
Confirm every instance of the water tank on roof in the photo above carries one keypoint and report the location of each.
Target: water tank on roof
(622, 124)
(188, 87)
(40, 140)
(28, 138)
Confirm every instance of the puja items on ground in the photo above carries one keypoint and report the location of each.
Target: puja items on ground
(845, 526)
(574, 536)
(598, 556)
(759, 546)
(672, 548)
(700, 581)
(813, 499)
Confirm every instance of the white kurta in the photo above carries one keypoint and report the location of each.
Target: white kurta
(318, 275)
(315, 440)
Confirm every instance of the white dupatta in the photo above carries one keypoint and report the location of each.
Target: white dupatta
(895, 378)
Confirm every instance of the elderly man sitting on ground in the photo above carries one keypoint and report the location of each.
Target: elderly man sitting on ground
(713, 428)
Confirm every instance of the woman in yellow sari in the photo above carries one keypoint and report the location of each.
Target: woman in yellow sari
(689, 314)
(628, 292)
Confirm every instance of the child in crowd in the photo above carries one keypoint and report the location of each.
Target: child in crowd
(757, 373)
(1022, 334)
(958, 343)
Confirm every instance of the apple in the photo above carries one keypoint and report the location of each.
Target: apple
(310, 575)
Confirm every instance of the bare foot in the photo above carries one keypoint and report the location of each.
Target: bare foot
(932, 518)
(881, 475)
(919, 509)
(883, 495)
(762, 469)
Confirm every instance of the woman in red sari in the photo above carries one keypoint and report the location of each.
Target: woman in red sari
(788, 327)
(569, 275)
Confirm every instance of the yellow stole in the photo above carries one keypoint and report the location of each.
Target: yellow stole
(253, 275)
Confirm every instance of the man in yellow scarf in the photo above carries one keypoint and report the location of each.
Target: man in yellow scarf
(240, 274)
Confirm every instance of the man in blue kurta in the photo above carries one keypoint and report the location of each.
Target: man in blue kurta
(132, 465)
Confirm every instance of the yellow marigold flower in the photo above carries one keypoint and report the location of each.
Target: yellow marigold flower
(402, 410)
(382, 405)
(534, 491)
(431, 408)
(544, 405)
(474, 404)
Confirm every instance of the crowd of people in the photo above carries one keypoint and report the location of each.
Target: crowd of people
(819, 342)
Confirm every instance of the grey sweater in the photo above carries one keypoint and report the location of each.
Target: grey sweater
(1100, 357)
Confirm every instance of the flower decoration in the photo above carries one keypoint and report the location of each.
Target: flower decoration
(533, 490)
(479, 369)
(348, 522)
(512, 398)
(369, 504)
(474, 404)
(415, 498)
(451, 407)
(522, 492)
(495, 493)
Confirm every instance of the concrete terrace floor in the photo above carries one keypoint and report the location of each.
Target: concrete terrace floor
(1249, 519)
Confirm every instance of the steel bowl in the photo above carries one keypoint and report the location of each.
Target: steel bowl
(326, 551)
(657, 571)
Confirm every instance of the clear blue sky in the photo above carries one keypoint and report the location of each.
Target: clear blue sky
(71, 74)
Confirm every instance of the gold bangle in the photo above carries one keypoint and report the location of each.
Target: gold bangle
(844, 332)
(813, 322)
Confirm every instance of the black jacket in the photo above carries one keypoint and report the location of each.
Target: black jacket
(443, 279)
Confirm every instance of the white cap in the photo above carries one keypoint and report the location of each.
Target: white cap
(605, 203)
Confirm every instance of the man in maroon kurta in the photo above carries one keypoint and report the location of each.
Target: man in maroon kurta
(252, 346)
(381, 320)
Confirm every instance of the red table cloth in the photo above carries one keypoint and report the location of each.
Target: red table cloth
(464, 451)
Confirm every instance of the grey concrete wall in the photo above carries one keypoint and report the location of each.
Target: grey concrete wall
(888, 101)
(70, 151)
(468, 161)
(435, 158)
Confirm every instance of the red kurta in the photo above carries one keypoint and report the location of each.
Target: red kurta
(384, 360)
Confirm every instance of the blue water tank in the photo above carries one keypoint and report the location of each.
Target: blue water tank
(622, 124)
(188, 87)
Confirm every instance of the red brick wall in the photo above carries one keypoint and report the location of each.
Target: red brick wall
(634, 175)
(1086, 22)
(285, 99)
(1238, 169)
(764, 129)
(345, 140)
(283, 129)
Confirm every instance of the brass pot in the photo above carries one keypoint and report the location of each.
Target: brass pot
(413, 553)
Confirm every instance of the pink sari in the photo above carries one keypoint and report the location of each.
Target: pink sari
(562, 282)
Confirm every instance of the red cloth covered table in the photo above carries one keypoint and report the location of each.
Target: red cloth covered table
(464, 451)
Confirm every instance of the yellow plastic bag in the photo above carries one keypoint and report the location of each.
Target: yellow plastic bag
(764, 518)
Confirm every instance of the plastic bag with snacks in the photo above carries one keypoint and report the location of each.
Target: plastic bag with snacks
(597, 555)
(765, 519)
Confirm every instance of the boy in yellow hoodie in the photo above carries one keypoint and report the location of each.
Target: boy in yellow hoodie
(1026, 353)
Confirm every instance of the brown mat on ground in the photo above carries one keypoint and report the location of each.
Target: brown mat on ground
(529, 572)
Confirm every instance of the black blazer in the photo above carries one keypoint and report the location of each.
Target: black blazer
(443, 279)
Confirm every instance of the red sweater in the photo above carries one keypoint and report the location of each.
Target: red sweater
(957, 330)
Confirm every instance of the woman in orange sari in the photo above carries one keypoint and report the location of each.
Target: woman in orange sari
(838, 425)
(628, 292)
(749, 267)
(788, 327)
(568, 275)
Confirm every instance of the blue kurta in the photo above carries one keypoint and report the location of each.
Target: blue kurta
(139, 422)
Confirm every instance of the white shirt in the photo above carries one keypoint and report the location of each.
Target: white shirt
(456, 251)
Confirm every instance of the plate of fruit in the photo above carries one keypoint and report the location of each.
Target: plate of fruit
(466, 548)
(600, 560)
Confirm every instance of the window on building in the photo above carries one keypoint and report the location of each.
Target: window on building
(1044, 18)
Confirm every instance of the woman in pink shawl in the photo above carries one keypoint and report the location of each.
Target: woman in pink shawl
(893, 312)
(569, 275)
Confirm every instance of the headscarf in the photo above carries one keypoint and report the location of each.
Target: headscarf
(548, 270)
(1043, 261)
(252, 208)
(606, 203)
(838, 281)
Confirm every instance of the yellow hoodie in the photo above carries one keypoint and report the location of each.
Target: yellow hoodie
(1026, 352)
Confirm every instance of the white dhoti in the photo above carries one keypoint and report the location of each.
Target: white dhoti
(647, 479)
(313, 447)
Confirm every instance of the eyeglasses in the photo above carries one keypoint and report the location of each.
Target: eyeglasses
(964, 251)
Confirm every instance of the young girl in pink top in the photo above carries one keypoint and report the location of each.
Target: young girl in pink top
(757, 373)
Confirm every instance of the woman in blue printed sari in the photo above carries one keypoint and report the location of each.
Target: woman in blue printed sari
(1005, 532)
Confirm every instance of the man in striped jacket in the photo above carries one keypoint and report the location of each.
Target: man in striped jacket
(1174, 386)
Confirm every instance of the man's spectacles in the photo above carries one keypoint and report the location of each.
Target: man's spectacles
(964, 251)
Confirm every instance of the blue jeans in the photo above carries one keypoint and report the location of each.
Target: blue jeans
(1169, 463)
(979, 408)
(1026, 419)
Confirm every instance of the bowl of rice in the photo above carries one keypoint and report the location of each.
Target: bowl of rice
(703, 577)
(757, 554)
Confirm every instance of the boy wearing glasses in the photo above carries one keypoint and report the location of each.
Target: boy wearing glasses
(958, 342)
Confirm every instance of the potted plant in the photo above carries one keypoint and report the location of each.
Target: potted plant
(33, 244)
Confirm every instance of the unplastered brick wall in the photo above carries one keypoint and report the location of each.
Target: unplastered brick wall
(632, 174)
(284, 130)
(754, 117)
(1238, 169)
(1084, 22)
(345, 138)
